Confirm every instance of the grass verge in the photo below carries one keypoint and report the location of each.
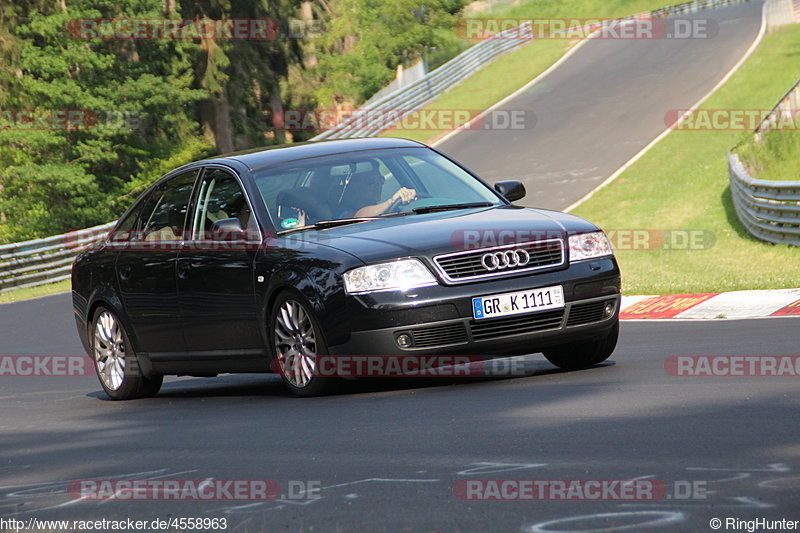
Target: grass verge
(776, 158)
(17, 295)
(513, 70)
(682, 184)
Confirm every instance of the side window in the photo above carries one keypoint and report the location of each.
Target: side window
(219, 196)
(127, 228)
(164, 214)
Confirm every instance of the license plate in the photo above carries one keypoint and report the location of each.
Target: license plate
(518, 303)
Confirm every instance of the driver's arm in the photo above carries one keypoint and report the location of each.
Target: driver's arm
(403, 194)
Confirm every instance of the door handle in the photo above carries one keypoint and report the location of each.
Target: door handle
(125, 271)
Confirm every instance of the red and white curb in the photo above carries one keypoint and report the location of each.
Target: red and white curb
(737, 304)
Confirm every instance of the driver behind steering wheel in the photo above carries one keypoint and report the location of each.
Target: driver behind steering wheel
(363, 194)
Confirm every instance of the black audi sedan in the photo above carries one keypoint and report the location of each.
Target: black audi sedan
(268, 260)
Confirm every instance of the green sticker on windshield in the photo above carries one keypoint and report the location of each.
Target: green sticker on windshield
(289, 223)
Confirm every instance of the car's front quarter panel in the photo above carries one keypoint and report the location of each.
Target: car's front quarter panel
(315, 271)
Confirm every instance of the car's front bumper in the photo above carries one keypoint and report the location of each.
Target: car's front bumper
(439, 319)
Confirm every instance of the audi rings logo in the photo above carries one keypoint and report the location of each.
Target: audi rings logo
(502, 260)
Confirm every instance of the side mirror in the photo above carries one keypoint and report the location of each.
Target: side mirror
(228, 230)
(512, 190)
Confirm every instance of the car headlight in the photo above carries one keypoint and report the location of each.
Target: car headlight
(589, 246)
(397, 276)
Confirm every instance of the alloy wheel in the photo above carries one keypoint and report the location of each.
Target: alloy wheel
(295, 344)
(109, 351)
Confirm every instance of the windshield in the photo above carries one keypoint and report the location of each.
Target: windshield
(364, 185)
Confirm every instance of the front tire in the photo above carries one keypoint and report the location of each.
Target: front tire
(584, 354)
(297, 343)
(116, 363)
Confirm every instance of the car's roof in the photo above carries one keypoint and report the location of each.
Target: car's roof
(273, 155)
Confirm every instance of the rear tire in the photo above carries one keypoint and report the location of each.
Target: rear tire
(584, 354)
(297, 342)
(115, 362)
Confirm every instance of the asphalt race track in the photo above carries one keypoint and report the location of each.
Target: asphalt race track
(602, 106)
(394, 455)
(387, 455)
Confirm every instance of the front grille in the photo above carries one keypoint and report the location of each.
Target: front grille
(467, 266)
(515, 325)
(587, 313)
(439, 335)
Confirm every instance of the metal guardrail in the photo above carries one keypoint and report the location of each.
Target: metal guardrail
(369, 120)
(689, 7)
(787, 107)
(48, 260)
(770, 210)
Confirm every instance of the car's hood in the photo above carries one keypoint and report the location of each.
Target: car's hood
(436, 233)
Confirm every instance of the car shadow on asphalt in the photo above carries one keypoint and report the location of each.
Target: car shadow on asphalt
(271, 385)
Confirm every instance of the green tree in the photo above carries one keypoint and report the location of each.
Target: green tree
(137, 108)
(242, 76)
(133, 100)
(364, 40)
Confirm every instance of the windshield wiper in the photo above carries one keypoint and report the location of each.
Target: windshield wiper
(322, 224)
(450, 207)
(396, 214)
